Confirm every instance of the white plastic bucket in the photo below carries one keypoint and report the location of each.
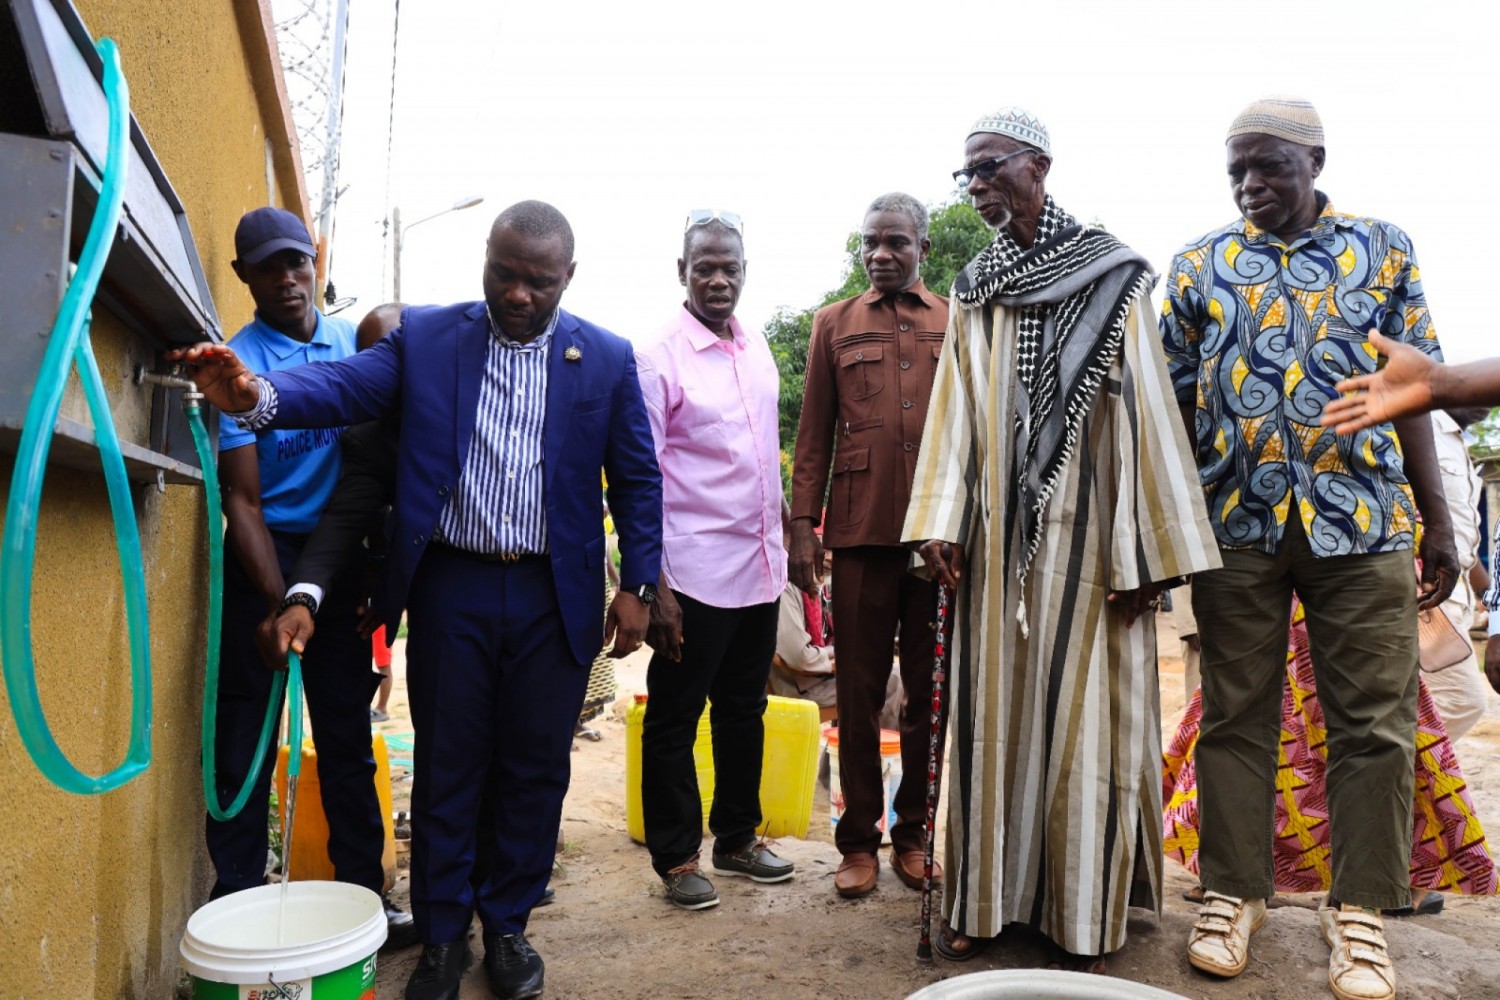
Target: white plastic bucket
(890, 774)
(1039, 984)
(332, 933)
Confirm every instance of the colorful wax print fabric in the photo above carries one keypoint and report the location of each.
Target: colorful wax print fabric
(1257, 334)
(1448, 850)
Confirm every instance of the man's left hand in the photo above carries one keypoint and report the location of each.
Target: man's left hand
(1492, 661)
(626, 624)
(1135, 603)
(1439, 569)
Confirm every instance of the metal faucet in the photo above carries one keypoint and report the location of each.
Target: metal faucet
(171, 379)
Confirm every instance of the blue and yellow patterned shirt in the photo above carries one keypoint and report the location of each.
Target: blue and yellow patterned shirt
(1257, 334)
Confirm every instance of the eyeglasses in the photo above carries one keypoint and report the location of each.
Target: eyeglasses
(703, 216)
(986, 170)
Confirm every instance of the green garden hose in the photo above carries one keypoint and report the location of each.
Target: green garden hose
(211, 657)
(69, 344)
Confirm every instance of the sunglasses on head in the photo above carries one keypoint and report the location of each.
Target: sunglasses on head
(986, 170)
(703, 216)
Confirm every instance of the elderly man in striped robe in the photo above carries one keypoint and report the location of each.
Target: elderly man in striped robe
(1055, 490)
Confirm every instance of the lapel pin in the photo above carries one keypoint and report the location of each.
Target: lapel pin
(573, 354)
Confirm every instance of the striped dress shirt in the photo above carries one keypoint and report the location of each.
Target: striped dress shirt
(497, 504)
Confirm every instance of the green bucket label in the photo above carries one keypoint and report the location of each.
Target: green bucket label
(353, 982)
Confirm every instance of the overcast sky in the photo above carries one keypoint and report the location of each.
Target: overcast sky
(626, 115)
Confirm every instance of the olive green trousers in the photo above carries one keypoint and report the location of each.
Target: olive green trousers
(1362, 629)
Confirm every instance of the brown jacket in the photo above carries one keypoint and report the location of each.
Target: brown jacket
(870, 366)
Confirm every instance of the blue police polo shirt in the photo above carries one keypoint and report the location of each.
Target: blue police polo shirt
(298, 468)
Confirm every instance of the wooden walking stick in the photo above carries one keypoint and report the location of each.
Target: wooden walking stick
(934, 746)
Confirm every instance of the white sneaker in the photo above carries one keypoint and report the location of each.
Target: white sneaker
(1220, 940)
(1359, 967)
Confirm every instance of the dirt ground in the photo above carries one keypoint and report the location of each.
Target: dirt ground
(611, 934)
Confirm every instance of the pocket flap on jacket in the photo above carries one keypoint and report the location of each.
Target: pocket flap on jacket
(861, 355)
(852, 460)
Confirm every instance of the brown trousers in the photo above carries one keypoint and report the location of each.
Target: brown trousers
(873, 594)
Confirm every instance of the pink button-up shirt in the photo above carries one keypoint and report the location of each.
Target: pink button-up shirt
(712, 405)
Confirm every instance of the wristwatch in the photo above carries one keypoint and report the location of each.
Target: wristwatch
(300, 597)
(646, 594)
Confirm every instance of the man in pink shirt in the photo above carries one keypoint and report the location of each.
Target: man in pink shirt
(711, 390)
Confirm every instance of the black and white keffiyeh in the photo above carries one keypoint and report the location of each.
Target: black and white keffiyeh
(1072, 290)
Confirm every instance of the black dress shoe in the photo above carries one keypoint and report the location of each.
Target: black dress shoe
(400, 928)
(439, 972)
(514, 966)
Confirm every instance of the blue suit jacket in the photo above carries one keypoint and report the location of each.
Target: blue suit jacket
(430, 368)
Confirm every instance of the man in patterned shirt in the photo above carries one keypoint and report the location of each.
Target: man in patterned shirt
(1262, 319)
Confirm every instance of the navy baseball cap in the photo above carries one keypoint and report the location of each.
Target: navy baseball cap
(267, 230)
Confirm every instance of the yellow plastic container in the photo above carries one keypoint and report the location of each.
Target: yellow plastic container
(309, 856)
(789, 767)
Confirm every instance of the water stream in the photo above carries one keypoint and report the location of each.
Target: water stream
(287, 819)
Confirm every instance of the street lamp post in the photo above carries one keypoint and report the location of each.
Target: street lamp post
(399, 236)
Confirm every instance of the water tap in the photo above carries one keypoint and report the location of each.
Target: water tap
(171, 379)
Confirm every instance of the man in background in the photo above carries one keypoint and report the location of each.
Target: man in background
(275, 487)
(711, 391)
(870, 365)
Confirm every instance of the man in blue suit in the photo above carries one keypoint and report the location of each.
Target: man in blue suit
(510, 408)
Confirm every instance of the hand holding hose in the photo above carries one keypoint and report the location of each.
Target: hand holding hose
(220, 375)
(292, 629)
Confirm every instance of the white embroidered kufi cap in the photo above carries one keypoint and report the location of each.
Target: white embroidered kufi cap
(1018, 124)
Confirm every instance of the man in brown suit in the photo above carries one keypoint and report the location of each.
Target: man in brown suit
(870, 366)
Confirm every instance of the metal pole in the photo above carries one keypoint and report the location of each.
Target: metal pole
(332, 143)
(395, 253)
(334, 124)
(934, 745)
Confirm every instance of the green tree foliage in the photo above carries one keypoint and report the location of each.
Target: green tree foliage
(957, 234)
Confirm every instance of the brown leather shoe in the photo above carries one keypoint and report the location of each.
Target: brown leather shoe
(856, 875)
(908, 866)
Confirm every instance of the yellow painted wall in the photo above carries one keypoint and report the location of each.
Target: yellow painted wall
(95, 891)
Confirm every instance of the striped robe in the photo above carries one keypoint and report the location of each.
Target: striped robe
(1055, 795)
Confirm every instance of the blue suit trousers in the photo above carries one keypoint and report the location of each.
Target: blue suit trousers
(495, 693)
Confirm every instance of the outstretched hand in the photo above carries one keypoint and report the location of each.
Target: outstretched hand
(220, 375)
(1401, 388)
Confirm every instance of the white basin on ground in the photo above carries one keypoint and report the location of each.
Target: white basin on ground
(1039, 984)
